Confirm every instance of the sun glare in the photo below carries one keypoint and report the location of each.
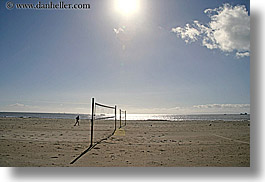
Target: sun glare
(127, 7)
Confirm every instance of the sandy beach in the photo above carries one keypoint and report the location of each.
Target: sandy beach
(56, 142)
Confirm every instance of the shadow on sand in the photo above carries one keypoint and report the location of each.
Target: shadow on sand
(91, 147)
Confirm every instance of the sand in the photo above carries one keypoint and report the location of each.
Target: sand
(56, 142)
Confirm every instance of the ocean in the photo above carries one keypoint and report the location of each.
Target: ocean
(161, 117)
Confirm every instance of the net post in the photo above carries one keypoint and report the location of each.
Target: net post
(120, 118)
(92, 121)
(115, 117)
(125, 118)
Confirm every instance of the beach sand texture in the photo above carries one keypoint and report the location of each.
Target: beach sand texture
(56, 142)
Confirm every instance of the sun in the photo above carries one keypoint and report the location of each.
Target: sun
(127, 7)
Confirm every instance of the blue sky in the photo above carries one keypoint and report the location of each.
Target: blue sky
(57, 60)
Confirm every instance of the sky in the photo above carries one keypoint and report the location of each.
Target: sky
(176, 57)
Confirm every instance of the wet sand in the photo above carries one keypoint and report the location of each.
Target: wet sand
(56, 142)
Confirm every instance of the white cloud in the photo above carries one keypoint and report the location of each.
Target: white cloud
(195, 109)
(228, 30)
(118, 30)
(242, 54)
(188, 33)
(20, 107)
(17, 105)
(124, 35)
(222, 106)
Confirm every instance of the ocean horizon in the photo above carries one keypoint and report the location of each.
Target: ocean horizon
(146, 117)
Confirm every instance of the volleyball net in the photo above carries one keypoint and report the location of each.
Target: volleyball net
(104, 121)
(103, 124)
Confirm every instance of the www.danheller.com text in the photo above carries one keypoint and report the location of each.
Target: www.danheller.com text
(47, 5)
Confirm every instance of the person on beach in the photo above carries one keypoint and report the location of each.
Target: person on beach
(77, 120)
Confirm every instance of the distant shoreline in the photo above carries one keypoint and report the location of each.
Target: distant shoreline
(144, 117)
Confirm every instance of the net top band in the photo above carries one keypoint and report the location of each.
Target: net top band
(110, 107)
